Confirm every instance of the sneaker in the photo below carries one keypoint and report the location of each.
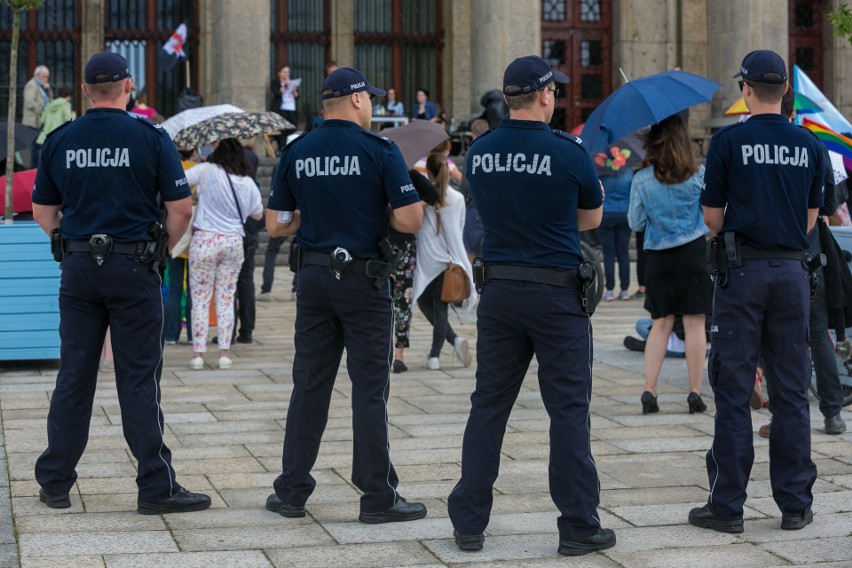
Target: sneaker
(197, 363)
(462, 350)
(625, 295)
(225, 363)
(432, 363)
(264, 297)
(608, 296)
(54, 501)
(171, 341)
(796, 521)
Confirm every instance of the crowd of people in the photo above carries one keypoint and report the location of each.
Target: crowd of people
(379, 236)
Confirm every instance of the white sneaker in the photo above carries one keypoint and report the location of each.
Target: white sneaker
(225, 363)
(608, 296)
(625, 295)
(264, 297)
(197, 363)
(462, 350)
(432, 363)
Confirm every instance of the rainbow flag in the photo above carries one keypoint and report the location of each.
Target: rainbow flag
(833, 141)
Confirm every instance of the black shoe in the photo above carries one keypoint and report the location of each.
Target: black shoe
(245, 339)
(54, 501)
(399, 366)
(633, 344)
(181, 502)
(835, 425)
(400, 512)
(695, 403)
(274, 504)
(469, 542)
(603, 539)
(703, 517)
(796, 521)
(649, 403)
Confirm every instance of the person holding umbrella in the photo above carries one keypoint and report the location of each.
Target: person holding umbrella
(338, 188)
(763, 187)
(531, 304)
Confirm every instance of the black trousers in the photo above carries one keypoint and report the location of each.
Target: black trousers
(244, 302)
(126, 296)
(435, 310)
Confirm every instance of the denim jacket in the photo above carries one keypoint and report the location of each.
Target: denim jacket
(669, 214)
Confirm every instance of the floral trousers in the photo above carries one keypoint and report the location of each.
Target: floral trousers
(215, 260)
(403, 288)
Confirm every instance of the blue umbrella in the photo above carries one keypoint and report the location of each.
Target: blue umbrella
(644, 102)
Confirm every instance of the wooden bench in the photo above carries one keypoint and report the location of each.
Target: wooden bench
(29, 294)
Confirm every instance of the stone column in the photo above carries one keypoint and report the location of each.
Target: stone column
(458, 86)
(91, 38)
(235, 53)
(735, 29)
(645, 38)
(343, 32)
(501, 30)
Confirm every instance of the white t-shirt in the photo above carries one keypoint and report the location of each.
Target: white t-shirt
(217, 210)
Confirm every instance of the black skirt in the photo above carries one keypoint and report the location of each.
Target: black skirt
(678, 281)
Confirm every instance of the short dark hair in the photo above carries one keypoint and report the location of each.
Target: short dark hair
(65, 91)
(521, 101)
(788, 103)
(768, 92)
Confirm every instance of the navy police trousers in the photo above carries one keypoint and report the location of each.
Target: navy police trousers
(332, 314)
(517, 320)
(126, 296)
(764, 308)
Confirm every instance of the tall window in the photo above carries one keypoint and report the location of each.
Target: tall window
(576, 39)
(806, 22)
(49, 36)
(137, 29)
(399, 44)
(300, 39)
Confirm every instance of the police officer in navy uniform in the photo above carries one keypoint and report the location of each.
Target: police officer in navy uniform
(535, 190)
(763, 188)
(337, 189)
(99, 182)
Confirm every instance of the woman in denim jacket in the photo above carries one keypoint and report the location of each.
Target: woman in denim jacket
(664, 203)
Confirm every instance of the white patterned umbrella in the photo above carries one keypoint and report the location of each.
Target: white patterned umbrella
(192, 116)
(230, 125)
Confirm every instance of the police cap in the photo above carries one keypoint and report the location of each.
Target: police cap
(106, 67)
(763, 66)
(345, 81)
(528, 74)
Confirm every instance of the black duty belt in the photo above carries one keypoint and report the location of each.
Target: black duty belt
(84, 246)
(321, 259)
(777, 253)
(561, 278)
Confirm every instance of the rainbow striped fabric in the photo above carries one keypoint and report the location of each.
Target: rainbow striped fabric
(834, 141)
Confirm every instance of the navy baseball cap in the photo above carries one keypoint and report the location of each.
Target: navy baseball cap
(529, 74)
(113, 65)
(757, 64)
(345, 81)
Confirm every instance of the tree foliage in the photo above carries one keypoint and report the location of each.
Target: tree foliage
(18, 7)
(841, 19)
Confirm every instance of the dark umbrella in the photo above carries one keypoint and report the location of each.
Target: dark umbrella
(416, 139)
(231, 125)
(24, 136)
(644, 102)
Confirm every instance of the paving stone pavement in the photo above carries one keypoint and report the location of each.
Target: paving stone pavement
(225, 429)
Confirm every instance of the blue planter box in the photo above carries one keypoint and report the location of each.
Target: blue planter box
(29, 294)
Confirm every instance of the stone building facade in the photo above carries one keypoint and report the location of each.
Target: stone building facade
(235, 45)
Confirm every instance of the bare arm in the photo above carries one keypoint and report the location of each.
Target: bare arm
(812, 217)
(407, 219)
(178, 215)
(714, 218)
(276, 228)
(588, 219)
(47, 216)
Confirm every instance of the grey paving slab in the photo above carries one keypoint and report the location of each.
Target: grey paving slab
(367, 555)
(252, 537)
(722, 556)
(77, 561)
(88, 522)
(496, 548)
(824, 525)
(102, 542)
(424, 529)
(228, 559)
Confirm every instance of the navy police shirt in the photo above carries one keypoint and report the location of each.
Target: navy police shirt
(527, 183)
(106, 169)
(766, 173)
(341, 178)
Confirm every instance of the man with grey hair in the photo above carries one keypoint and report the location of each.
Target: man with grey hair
(37, 93)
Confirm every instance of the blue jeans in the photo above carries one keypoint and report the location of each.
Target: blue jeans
(614, 233)
(178, 269)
